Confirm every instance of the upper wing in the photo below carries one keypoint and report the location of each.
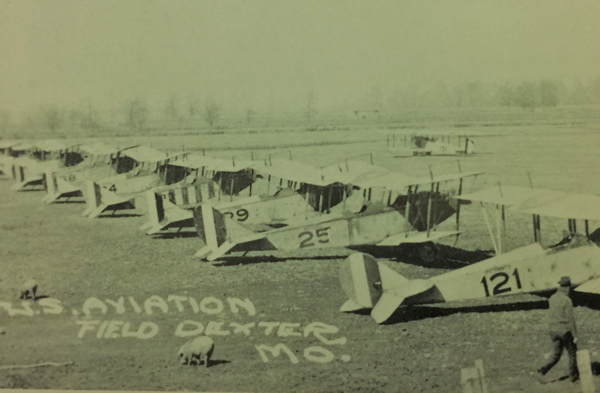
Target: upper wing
(592, 286)
(293, 170)
(510, 195)
(540, 201)
(398, 181)
(570, 206)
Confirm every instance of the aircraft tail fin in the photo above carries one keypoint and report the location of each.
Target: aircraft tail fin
(163, 213)
(371, 285)
(20, 178)
(93, 198)
(214, 228)
(51, 187)
(156, 209)
(364, 280)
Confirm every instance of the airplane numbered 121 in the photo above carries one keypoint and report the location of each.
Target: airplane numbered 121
(371, 285)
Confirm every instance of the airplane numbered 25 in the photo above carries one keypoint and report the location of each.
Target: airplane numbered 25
(371, 285)
(409, 218)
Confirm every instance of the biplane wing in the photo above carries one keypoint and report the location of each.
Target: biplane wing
(416, 237)
(539, 202)
(398, 181)
(508, 195)
(370, 284)
(567, 205)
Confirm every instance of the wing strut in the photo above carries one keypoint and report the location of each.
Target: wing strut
(429, 204)
(489, 227)
(587, 228)
(407, 208)
(537, 231)
(499, 226)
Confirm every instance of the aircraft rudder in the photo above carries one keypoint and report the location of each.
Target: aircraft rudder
(156, 211)
(360, 279)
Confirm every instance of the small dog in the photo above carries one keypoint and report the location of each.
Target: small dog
(196, 350)
(28, 290)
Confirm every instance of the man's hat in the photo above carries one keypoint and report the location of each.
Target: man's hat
(565, 282)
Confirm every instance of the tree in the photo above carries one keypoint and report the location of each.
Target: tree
(506, 95)
(136, 114)
(526, 96)
(53, 118)
(211, 112)
(311, 106)
(171, 112)
(249, 115)
(548, 92)
(192, 107)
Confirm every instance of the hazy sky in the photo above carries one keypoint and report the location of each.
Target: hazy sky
(69, 51)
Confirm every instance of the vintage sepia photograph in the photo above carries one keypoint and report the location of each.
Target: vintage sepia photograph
(300, 196)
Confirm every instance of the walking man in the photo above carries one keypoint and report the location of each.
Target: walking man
(562, 329)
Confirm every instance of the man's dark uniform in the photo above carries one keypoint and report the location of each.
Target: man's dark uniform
(562, 329)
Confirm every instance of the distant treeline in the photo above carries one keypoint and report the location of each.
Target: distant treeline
(528, 95)
(193, 113)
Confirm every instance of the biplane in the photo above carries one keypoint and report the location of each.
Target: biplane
(100, 161)
(140, 169)
(41, 157)
(291, 190)
(371, 285)
(166, 174)
(208, 178)
(537, 202)
(401, 144)
(405, 215)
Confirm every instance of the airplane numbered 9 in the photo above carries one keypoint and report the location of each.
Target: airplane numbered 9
(208, 178)
(371, 285)
(293, 191)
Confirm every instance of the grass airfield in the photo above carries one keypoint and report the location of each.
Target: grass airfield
(289, 299)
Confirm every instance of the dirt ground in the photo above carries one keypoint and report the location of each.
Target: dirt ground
(288, 301)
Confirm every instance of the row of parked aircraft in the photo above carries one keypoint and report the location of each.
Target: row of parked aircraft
(242, 205)
(281, 204)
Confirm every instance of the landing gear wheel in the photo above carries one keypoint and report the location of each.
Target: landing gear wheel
(428, 252)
